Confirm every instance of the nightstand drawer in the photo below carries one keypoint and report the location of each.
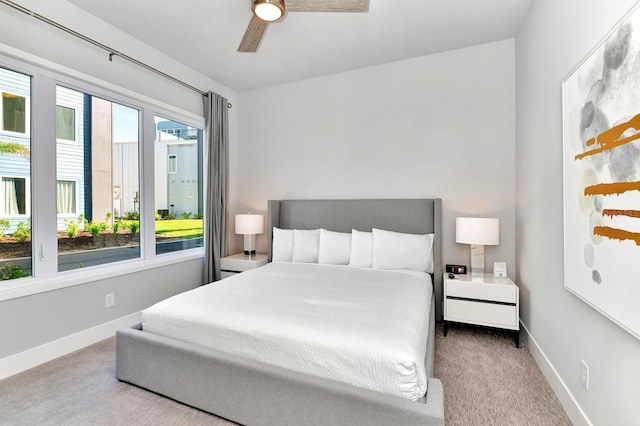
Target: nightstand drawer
(493, 292)
(482, 313)
(239, 263)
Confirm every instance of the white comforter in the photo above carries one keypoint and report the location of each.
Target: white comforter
(359, 326)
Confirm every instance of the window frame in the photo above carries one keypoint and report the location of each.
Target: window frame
(46, 277)
(77, 198)
(76, 122)
(27, 115)
(76, 126)
(175, 162)
(27, 196)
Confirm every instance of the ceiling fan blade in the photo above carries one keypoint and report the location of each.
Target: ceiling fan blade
(327, 5)
(253, 35)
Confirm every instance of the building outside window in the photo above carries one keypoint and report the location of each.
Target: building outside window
(173, 164)
(90, 216)
(178, 186)
(66, 197)
(15, 170)
(66, 123)
(14, 191)
(14, 113)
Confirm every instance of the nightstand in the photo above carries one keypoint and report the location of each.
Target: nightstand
(237, 263)
(485, 301)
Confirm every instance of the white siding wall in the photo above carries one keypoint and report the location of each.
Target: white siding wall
(12, 165)
(160, 171)
(126, 175)
(185, 180)
(70, 155)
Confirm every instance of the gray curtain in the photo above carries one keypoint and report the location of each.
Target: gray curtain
(215, 227)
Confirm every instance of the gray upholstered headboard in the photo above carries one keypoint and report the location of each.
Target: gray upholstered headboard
(412, 216)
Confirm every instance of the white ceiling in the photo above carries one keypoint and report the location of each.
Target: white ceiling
(205, 34)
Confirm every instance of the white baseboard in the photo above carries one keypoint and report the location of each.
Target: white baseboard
(30, 358)
(559, 387)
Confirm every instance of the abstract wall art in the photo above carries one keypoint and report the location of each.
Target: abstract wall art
(601, 141)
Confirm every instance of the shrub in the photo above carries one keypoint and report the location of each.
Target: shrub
(199, 216)
(23, 232)
(134, 226)
(158, 216)
(95, 228)
(10, 272)
(72, 227)
(132, 215)
(116, 226)
(105, 225)
(186, 215)
(4, 226)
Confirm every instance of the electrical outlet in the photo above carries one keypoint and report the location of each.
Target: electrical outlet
(584, 374)
(109, 300)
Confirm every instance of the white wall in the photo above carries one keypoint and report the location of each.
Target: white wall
(434, 126)
(31, 321)
(38, 38)
(555, 38)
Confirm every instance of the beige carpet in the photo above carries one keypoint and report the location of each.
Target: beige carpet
(487, 381)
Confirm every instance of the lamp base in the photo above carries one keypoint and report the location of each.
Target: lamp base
(249, 244)
(477, 260)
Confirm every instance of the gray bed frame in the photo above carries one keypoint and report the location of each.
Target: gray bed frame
(253, 393)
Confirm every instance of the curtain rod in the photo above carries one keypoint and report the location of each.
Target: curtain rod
(112, 52)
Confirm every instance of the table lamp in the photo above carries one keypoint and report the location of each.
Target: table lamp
(479, 232)
(249, 225)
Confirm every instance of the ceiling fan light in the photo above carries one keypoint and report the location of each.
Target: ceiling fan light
(268, 10)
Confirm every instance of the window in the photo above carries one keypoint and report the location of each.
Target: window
(173, 164)
(65, 123)
(178, 186)
(14, 113)
(91, 213)
(95, 169)
(66, 197)
(15, 196)
(15, 172)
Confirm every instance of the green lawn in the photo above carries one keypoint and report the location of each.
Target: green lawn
(180, 228)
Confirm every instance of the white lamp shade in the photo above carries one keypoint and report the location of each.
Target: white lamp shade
(478, 230)
(249, 224)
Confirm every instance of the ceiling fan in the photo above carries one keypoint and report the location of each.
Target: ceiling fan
(266, 11)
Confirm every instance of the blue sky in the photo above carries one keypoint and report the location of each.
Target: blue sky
(125, 123)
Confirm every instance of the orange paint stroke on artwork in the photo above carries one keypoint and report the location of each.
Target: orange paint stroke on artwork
(611, 188)
(617, 234)
(609, 139)
(615, 212)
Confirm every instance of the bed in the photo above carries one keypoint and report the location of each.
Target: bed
(252, 392)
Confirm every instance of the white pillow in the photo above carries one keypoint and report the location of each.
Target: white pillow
(335, 247)
(395, 250)
(306, 246)
(282, 249)
(361, 249)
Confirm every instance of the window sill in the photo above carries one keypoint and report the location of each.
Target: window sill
(29, 286)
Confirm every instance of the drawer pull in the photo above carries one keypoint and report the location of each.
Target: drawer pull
(493, 302)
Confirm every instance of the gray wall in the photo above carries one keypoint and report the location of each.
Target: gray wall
(436, 126)
(30, 321)
(552, 42)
